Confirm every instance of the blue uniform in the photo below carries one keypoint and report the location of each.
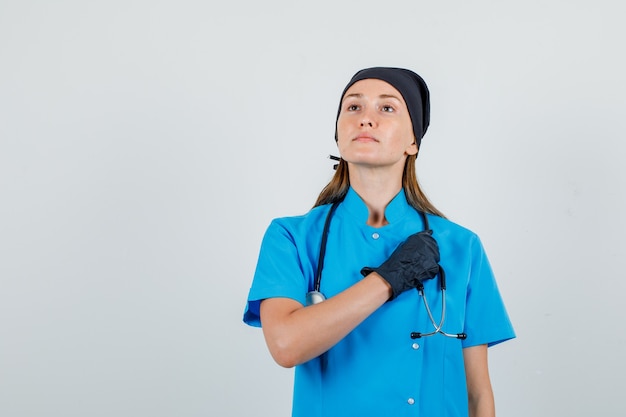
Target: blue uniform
(378, 369)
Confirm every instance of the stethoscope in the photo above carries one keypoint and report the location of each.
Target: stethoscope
(315, 296)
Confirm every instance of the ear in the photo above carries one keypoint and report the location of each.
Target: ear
(411, 149)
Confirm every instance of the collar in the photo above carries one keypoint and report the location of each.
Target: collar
(395, 210)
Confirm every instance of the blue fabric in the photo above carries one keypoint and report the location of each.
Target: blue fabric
(377, 369)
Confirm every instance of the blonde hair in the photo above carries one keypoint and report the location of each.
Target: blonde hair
(339, 184)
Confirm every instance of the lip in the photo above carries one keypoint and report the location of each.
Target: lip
(365, 138)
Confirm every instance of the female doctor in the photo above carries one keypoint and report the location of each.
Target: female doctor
(398, 319)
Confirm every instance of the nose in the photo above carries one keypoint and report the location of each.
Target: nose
(367, 120)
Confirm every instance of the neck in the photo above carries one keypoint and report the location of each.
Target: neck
(376, 191)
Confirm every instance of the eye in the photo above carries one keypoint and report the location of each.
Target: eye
(387, 109)
(353, 107)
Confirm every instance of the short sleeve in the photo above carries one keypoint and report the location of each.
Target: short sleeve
(486, 318)
(278, 273)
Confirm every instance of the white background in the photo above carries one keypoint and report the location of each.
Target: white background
(146, 145)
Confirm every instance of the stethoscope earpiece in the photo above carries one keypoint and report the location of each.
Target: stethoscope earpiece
(335, 158)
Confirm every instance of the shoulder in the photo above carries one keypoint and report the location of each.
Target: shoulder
(298, 225)
(457, 239)
(311, 217)
(447, 229)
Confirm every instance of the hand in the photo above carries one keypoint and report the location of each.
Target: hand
(414, 261)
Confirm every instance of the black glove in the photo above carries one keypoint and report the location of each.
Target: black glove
(415, 260)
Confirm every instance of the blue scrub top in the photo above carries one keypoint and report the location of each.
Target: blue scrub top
(378, 369)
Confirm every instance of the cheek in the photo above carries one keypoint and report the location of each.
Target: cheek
(341, 145)
(409, 135)
(342, 131)
(341, 123)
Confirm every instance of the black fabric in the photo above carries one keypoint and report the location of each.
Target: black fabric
(414, 261)
(413, 90)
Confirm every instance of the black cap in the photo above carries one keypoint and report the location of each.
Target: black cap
(413, 89)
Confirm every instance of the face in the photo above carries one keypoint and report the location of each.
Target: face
(374, 127)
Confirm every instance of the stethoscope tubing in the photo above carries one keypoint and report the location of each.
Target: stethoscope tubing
(316, 296)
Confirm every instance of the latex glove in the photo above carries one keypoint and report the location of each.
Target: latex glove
(414, 261)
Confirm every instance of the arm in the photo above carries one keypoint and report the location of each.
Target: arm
(479, 392)
(295, 334)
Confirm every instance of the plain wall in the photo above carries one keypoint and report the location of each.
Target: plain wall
(146, 145)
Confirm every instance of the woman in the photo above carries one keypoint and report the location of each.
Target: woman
(373, 341)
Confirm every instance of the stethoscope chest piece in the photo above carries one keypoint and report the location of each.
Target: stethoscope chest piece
(314, 297)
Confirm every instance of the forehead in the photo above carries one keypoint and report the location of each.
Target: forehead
(372, 87)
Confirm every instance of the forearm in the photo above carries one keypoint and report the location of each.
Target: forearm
(296, 334)
(482, 405)
(479, 391)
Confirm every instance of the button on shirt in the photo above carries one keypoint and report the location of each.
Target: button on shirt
(377, 369)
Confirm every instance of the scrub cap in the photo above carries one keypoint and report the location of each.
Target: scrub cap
(413, 89)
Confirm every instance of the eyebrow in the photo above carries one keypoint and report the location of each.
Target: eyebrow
(359, 95)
